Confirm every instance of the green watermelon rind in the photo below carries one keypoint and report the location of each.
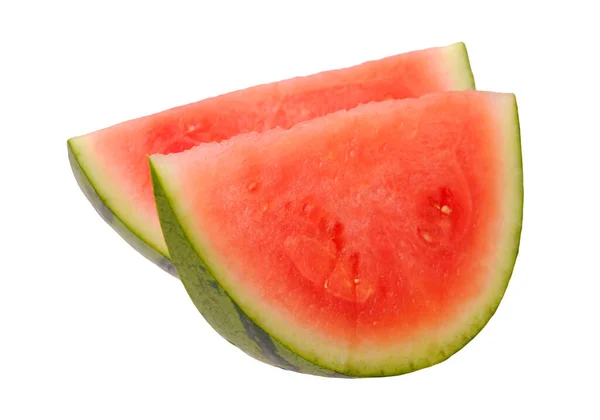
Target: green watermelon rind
(234, 324)
(135, 240)
(466, 79)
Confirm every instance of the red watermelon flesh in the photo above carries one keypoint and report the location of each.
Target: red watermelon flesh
(111, 164)
(372, 241)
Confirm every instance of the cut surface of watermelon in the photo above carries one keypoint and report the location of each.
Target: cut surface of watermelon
(111, 164)
(368, 242)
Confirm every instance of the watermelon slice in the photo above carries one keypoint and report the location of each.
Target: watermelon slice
(111, 164)
(368, 242)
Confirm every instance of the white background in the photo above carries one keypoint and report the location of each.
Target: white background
(91, 330)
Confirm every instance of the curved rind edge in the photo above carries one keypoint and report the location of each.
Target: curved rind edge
(483, 317)
(213, 302)
(505, 269)
(112, 219)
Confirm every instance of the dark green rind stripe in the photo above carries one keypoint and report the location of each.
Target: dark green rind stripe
(215, 305)
(113, 220)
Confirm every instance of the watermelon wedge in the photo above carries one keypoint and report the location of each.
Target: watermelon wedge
(369, 242)
(111, 165)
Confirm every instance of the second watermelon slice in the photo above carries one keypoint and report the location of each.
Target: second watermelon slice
(111, 165)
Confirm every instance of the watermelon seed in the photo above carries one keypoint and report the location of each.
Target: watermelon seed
(356, 281)
(252, 186)
(426, 236)
(265, 207)
(307, 208)
(446, 210)
(336, 232)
